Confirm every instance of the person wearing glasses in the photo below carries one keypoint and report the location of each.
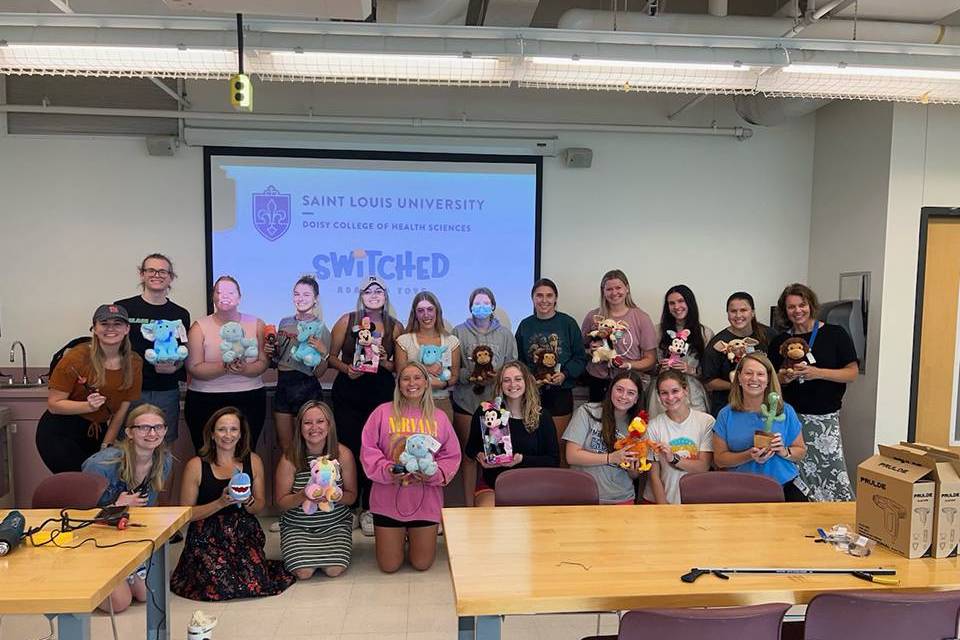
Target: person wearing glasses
(161, 381)
(90, 391)
(136, 471)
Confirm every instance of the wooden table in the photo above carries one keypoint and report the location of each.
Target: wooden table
(71, 583)
(528, 560)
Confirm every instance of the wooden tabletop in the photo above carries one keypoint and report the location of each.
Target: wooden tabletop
(516, 560)
(48, 579)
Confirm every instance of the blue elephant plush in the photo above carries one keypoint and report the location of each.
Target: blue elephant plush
(432, 354)
(234, 346)
(304, 351)
(417, 456)
(164, 334)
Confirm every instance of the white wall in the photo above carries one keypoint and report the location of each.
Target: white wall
(847, 233)
(78, 213)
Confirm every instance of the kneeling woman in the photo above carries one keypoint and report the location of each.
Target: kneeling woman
(733, 448)
(532, 434)
(322, 539)
(136, 470)
(590, 439)
(223, 557)
(407, 505)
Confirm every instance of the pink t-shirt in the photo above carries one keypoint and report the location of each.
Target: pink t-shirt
(384, 439)
(228, 382)
(640, 336)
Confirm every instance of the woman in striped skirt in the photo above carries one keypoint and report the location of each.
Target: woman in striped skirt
(324, 539)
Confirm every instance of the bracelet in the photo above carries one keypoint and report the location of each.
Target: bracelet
(608, 457)
(787, 457)
(629, 366)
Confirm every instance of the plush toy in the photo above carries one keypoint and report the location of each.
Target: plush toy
(165, 334)
(545, 363)
(679, 346)
(240, 487)
(495, 427)
(417, 456)
(735, 349)
(271, 338)
(304, 351)
(483, 371)
(636, 442)
(431, 354)
(762, 439)
(322, 491)
(794, 351)
(603, 338)
(366, 356)
(234, 346)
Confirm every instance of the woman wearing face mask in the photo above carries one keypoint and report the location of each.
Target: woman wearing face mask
(595, 428)
(90, 391)
(533, 437)
(215, 384)
(636, 349)
(717, 365)
(425, 327)
(815, 388)
(136, 471)
(297, 381)
(557, 335)
(483, 335)
(357, 394)
(733, 446)
(680, 312)
(681, 440)
(406, 506)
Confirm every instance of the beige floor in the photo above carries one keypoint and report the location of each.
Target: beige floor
(362, 603)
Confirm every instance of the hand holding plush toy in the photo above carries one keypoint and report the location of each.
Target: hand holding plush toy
(431, 354)
(165, 334)
(304, 351)
(603, 338)
(636, 442)
(735, 349)
(240, 487)
(323, 490)
(794, 351)
(483, 371)
(417, 456)
(235, 346)
(679, 347)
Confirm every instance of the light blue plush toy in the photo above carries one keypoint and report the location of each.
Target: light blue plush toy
(240, 487)
(164, 334)
(234, 346)
(417, 456)
(432, 354)
(304, 351)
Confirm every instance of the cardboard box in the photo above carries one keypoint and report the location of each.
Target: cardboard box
(895, 503)
(946, 468)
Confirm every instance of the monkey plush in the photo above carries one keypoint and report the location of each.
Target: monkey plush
(483, 371)
(794, 351)
(544, 364)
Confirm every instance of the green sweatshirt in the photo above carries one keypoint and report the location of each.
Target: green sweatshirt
(571, 355)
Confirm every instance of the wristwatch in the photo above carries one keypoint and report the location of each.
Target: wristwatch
(675, 460)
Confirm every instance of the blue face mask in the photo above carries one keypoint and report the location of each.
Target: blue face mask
(482, 310)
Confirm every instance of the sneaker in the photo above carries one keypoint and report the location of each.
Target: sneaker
(200, 626)
(275, 527)
(366, 523)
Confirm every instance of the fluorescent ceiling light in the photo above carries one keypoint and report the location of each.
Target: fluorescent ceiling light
(639, 64)
(885, 72)
(97, 60)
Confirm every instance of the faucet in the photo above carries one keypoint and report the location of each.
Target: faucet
(23, 353)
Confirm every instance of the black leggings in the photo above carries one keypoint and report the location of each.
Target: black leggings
(199, 406)
(64, 442)
(353, 402)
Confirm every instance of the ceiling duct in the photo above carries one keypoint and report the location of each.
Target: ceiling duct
(770, 112)
(314, 9)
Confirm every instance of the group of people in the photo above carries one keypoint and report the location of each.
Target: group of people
(704, 401)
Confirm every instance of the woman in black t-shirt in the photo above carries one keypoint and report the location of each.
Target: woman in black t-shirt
(815, 389)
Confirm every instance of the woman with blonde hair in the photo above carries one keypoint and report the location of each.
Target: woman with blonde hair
(90, 391)
(533, 437)
(733, 443)
(406, 504)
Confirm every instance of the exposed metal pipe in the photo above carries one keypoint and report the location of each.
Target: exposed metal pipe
(741, 133)
(688, 104)
(62, 5)
(835, 6)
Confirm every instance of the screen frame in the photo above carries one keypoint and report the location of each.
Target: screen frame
(340, 154)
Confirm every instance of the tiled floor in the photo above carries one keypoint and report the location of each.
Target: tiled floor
(362, 603)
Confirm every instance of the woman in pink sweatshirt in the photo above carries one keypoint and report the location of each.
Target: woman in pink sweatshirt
(406, 498)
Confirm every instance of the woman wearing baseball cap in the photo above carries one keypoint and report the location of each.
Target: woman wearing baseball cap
(357, 393)
(90, 391)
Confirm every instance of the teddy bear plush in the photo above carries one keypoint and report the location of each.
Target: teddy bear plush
(794, 351)
(483, 371)
(417, 456)
(304, 351)
(679, 347)
(636, 442)
(322, 490)
(164, 334)
(234, 346)
(431, 354)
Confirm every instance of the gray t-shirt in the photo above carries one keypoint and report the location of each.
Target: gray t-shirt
(287, 342)
(614, 483)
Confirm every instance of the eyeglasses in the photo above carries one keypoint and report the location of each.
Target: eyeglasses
(163, 273)
(373, 291)
(144, 429)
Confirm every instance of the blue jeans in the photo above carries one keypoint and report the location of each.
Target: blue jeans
(169, 401)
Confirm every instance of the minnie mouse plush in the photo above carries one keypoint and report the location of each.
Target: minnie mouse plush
(679, 347)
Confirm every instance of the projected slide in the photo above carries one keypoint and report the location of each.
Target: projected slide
(446, 226)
